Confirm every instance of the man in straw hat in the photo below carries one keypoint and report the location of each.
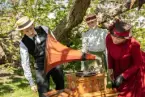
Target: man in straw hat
(93, 41)
(33, 43)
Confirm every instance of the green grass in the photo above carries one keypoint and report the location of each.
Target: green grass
(18, 92)
(14, 84)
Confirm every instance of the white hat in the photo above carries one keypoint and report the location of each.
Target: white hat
(23, 23)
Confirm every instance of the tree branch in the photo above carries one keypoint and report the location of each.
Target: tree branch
(74, 18)
(121, 10)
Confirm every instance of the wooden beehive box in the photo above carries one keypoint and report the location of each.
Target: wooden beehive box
(92, 86)
(86, 84)
(60, 93)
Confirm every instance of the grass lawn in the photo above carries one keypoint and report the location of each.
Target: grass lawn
(14, 84)
(19, 92)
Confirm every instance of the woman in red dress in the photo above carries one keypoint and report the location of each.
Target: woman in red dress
(126, 61)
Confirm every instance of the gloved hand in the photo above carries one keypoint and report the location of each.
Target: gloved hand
(113, 84)
(34, 88)
(119, 80)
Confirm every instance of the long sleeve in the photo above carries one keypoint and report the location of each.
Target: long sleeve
(94, 40)
(25, 63)
(137, 61)
(84, 49)
(47, 30)
(84, 43)
(106, 52)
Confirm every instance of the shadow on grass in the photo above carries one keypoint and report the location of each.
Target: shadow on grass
(5, 89)
(19, 82)
(11, 82)
(19, 72)
(4, 74)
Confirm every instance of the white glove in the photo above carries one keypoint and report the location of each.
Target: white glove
(34, 88)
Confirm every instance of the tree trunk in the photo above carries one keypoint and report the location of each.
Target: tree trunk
(74, 18)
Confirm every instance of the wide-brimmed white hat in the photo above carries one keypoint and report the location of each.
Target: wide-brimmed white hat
(23, 23)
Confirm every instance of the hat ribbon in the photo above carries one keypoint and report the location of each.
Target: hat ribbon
(25, 24)
(122, 34)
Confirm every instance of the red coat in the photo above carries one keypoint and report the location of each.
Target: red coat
(127, 59)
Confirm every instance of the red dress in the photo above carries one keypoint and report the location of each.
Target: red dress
(127, 59)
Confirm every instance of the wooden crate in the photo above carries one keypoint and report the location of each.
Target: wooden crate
(60, 93)
(107, 93)
(92, 86)
(86, 84)
(69, 93)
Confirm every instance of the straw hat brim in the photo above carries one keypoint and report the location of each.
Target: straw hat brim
(18, 29)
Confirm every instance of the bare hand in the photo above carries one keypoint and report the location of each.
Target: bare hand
(34, 88)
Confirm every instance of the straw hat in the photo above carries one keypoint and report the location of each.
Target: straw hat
(23, 23)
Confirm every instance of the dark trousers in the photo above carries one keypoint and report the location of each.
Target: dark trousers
(43, 83)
